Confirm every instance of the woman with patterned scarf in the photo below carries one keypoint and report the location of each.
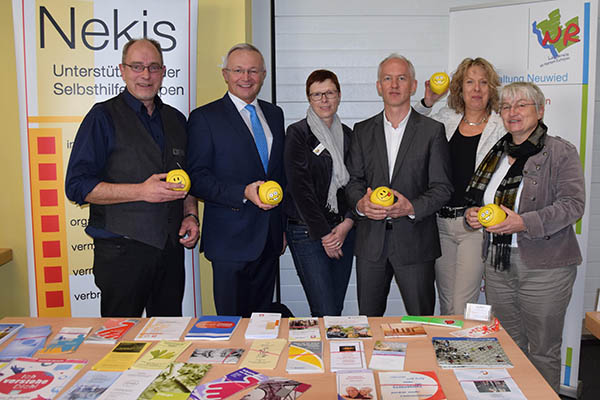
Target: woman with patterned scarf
(531, 257)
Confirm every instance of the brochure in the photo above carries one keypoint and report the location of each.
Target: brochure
(227, 385)
(113, 330)
(177, 378)
(454, 352)
(66, 341)
(447, 322)
(213, 327)
(37, 378)
(481, 384)
(130, 384)
(357, 384)
(413, 385)
(277, 389)
(401, 330)
(347, 355)
(91, 385)
(264, 353)
(347, 327)
(26, 342)
(161, 355)
(164, 328)
(263, 326)
(216, 356)
(122, 356)
(304, 329)
(305, 357)
(388, 356)
(7, 330)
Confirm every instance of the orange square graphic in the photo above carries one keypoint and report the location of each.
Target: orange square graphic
(50, 223)
(48, 197)
(53, 275)
(47, 172)
(51, 248)
(46, 145)
(55, 299)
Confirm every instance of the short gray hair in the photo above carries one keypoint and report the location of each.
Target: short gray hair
(396, 56)
(133, 41)
(528, 90)
(247, 47)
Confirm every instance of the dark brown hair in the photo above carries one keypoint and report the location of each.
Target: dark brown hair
(321, 75)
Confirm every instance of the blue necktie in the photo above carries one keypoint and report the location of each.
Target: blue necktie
(259, 136)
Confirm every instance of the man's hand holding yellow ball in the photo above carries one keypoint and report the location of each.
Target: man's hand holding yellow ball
(181, 177)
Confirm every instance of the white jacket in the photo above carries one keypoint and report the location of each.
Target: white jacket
(493, 131)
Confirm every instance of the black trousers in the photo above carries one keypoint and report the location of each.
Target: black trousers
(415, 281)
(241, 288)
(133, 276)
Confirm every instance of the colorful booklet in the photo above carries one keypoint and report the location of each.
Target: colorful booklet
(161, 355)
(26, 342)
(176, 379)
(216, 356)
(91, 385)
(454, 352)
(164, 328)
(305, 358)
(263, 326)
(113, 330)
(388, 356)
(37, 378)
(347, 355)
(66, 341)
(227, 385)
(481, 384)
(130, 384)
(349, 327)
(122, 356)
(447, 322)
(213, 327)
(264, 353)
(278, 389)
(357, 384)
(304, 329)
(423, 385)
(7, 330)
(401, 330)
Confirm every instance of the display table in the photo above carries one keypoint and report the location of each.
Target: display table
(592, 322)
(420, 356)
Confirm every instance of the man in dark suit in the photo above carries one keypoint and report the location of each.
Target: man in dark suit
(235, 144)
(407, 152)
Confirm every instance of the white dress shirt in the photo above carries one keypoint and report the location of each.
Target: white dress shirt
(393, 138)
(240, 105)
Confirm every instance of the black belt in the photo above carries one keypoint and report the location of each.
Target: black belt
(452, 212)
(293, 221)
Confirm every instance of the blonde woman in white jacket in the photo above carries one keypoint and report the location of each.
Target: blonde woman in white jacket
(473, 126)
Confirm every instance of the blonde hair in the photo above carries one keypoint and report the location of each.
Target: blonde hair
(456, 100)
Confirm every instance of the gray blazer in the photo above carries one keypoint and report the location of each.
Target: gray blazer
(421, 174)
(552, 200)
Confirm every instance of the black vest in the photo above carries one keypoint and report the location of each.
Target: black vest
(134, 158)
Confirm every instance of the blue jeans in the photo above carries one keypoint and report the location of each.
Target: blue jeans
(324, 279)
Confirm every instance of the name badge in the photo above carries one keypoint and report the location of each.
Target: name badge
(319, 149)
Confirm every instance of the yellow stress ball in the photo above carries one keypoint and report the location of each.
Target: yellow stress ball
(179, 176)
(382, 196)
(491, 215)
(439, 82)
(270, 192)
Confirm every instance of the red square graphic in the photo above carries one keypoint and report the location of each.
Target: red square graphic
(50, 223)
(48, 197)
(54, 299)
(53, 275)
(47, 172)
(51, 248)
(46, 145)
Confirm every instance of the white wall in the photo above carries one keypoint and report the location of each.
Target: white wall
(350, 37)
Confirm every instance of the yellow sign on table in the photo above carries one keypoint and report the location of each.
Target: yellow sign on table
(121, 357)
(161, 355)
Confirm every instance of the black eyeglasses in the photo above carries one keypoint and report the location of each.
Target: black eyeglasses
(152, 68)
(330, 94)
